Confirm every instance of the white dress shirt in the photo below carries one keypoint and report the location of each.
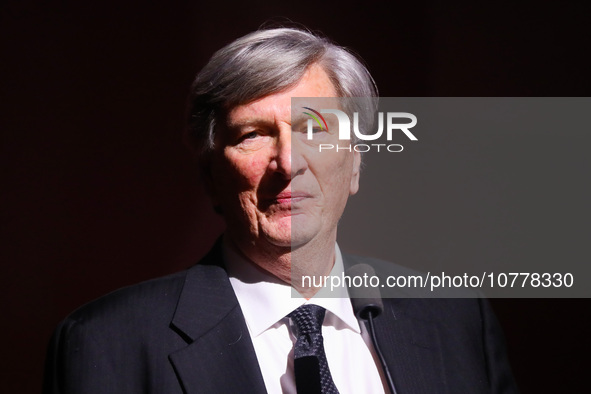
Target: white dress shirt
(266, 301)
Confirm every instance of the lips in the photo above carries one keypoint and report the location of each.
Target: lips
(290, 197)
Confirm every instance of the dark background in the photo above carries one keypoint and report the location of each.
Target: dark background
(98, 191)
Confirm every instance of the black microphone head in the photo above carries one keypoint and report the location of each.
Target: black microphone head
(366, 299)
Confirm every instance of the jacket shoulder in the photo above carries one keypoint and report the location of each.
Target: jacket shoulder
(151, 297)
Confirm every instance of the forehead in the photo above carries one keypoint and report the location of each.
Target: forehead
(314, 83)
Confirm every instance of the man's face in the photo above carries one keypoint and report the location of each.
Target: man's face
(274, 188)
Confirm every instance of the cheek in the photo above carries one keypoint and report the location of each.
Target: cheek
(336, 174)
(244, 171)
(339, 164)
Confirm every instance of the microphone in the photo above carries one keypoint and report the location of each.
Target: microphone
(367, 305)
(366, 300)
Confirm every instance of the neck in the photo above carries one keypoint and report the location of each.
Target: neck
(315, 259)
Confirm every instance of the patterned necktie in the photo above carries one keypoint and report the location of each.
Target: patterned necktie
(310, 365)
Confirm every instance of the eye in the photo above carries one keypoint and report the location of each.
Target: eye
(250, 137)
(315, 130)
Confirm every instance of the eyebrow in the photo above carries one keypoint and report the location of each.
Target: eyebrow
(249, 122)
(299, 117)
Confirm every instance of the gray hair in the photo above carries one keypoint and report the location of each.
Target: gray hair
(262, 63)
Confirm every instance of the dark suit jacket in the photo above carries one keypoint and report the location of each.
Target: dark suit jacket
(185, 333)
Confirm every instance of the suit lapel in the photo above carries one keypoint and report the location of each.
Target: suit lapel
(412, 349)
(220, 357)
(411, 346)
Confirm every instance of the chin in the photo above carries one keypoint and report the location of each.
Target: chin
(278, 234)
(291, 232)
(288, 238)
(304, 228)
(301, 236)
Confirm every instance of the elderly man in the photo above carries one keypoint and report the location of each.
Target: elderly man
(230, 324)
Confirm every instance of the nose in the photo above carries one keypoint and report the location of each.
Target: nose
(287, 159)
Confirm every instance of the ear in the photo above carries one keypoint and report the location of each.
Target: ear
(354, 187)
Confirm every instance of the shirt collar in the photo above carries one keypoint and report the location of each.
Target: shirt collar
(265, 300)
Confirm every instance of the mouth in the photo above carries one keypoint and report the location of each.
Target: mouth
(289, 197)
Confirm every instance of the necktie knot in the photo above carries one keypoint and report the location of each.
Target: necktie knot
(308, 319)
